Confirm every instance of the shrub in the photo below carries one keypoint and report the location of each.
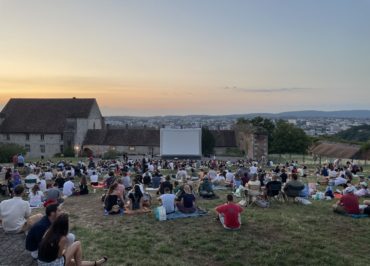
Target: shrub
(110, 155)
(7, 151)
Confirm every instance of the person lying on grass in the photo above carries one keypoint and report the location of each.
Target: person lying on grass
(229, 214)
(54, 249)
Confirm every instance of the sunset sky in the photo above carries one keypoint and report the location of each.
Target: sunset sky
(188, 57)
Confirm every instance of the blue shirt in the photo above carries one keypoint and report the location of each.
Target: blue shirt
(36, 233)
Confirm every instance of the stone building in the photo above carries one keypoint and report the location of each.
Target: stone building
(46, 127)
(146, 141)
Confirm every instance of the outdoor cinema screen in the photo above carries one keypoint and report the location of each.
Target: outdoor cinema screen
(181, 142)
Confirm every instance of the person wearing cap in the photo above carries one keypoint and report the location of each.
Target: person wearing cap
(362, 192)
(348, 204)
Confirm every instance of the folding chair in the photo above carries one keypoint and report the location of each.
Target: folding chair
(292, 192)
(252, 194)
(274, 192)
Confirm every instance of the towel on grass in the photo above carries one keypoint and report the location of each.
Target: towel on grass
(180, 215)
(220, 188)
(358, 216)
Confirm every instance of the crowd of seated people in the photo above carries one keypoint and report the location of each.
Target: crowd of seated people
(127, 184)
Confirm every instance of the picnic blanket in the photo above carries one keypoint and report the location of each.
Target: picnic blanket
(220, 188)
(151, 189)
(98, 186)
(180, 215)
(358, 216)
(131, 212)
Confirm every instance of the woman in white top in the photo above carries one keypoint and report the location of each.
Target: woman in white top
(94, 179)
(36, 196)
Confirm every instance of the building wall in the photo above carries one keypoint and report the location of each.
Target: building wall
(254, 145)
(52, 143)
(99, 150)
(94, 121)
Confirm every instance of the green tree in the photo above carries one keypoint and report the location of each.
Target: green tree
(7, 151)
(287, 138)
(208, 141)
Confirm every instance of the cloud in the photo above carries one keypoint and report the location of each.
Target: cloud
(266, 90)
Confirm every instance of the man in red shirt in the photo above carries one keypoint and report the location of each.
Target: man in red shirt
(348, 204)
(229, 214)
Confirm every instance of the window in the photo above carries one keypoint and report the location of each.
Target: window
(61, 136)
(42, 148)
(94, 125)
(61, 148)
(131, 148)
(7, 136)
(27, 147)
(27, 136)
(42, 137)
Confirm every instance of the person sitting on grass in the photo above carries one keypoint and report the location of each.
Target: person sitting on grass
(60, 180)
(363, 191)
(156, 179)
(219, 180)
(94, 179)
(348, 204)
(15, 213)
(206, 189)
(166, 183)
(54, 249)
(84, 190)
(34, 236)
(68, 187)
(36, 196)
(54, 194)
(177, 187)
(229, 214)
(187, 203)
(111, 200)
(110, 180)
(168, 201)
(136, 198)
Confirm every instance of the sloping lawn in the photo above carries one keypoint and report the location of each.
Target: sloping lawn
(284, 234)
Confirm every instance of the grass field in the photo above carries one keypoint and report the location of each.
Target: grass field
(284, 234)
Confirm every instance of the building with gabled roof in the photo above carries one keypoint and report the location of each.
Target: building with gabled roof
(46, 127)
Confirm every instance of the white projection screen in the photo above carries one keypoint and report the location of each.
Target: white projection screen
(181, 142)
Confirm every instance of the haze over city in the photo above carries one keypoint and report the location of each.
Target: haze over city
(188, 57)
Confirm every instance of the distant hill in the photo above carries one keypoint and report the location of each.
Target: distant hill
(358, 133)
(355, 114)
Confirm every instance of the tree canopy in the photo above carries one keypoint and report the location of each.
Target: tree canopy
(286, 138)
(7, 151)
(208, 141)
